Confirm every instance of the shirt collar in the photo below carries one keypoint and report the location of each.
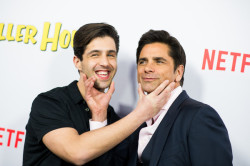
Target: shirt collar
(75, 93)
(174, 94)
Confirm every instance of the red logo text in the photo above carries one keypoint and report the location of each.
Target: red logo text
(230, 59)
(10, 134)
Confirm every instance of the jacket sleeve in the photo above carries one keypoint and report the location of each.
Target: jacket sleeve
(208, 139)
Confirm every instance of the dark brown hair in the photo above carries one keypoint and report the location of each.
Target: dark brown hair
(85, 34)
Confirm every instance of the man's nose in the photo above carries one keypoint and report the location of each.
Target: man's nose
(104, 61)
(149, 68)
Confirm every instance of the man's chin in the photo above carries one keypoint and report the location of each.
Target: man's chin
(101, 86)
(148, 89)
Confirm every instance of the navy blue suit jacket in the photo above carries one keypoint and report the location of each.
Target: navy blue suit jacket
(190, 134)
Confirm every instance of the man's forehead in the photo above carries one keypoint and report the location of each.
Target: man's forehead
(99, 49)
(154, 53)
(102, 42)
(155, 47)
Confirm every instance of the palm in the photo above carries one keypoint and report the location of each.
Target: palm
(97, 101)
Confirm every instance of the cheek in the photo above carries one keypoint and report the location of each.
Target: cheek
(90, 63)
(162, 77)
(88, 66)
(138, 75)
(113, 63)
(138, 79)
(140, 70)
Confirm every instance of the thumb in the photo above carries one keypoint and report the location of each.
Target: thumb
(83, 76)
(140, 91)
(111, 89)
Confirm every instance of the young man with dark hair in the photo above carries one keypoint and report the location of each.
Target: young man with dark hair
(74, 125)
(185, 132)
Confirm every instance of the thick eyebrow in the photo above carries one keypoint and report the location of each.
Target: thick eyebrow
(159, 58)
(97, 51)
(142, 59)
(93, 51)
(111, 51)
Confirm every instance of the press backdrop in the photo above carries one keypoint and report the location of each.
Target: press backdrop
(36, 55)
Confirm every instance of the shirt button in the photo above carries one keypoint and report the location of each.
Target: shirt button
(87, 109)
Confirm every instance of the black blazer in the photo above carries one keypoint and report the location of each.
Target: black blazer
(190, 134)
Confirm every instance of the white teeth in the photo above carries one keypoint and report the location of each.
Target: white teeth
(102, 72)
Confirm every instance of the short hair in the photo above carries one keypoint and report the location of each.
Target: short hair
(161, 36)
(85, 34)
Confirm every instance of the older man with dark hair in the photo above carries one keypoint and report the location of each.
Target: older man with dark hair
(185, 132)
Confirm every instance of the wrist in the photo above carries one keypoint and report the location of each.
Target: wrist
(141, 115)
(99, 116)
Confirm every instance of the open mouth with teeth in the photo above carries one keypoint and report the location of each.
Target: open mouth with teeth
(103, 74)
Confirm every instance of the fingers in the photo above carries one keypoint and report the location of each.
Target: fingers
(172, 85)
(89, 84)
(84, 77)
(90, 81)
(160, 88)
(111, 89)
(140, 91)
(167, 91)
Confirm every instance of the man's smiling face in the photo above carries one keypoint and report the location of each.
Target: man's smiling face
(155, 65)
(100, 60)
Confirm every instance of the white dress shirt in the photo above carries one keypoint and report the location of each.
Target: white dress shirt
(96, 125)
(152, 124)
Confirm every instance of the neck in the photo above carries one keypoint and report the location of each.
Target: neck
(177, 84)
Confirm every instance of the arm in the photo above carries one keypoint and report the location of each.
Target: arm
(79, 149)
(208, 139)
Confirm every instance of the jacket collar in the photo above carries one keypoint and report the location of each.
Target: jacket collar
(151, 153)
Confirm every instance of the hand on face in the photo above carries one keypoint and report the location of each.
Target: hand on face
(97, 101)
(152, 103)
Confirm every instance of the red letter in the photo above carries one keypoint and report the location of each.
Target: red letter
(1, 136)
(209, 61)
(234, 60)
(10, 134)
(17, 137)
(221, 60)
(244, 62)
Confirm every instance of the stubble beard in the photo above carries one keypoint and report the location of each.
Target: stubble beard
(98, 85)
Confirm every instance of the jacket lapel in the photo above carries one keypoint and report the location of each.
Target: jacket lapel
(160, 136)
(133, 155)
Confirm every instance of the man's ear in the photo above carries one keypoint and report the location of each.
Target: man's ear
(179, 73)
(77, 63)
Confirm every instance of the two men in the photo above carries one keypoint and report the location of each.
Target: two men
(185, 132)
(66, 124)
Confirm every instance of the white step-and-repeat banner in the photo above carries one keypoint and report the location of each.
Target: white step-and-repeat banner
(36, 55)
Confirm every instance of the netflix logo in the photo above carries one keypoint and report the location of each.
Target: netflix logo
(225, 61)
(10, 136)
